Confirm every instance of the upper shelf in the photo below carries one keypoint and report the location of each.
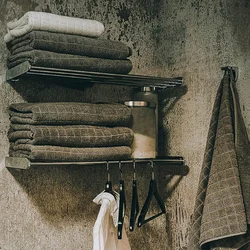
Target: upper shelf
(131, 80)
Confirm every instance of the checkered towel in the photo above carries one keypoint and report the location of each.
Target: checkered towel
(69, 44)
(33, 20)
(222, 208)
(62, 154)
(71, 136)
(69, 113)
(67, 61)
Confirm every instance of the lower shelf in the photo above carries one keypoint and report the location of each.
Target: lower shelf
(175, 164)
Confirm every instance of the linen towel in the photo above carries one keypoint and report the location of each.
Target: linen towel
(33, 20)
(59, 154)
(69, 44)
(221, 215)
(71, 136)
(67, 61)
(70, 113)
(105, 227)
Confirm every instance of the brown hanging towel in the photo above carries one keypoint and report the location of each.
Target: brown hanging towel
(222, 208)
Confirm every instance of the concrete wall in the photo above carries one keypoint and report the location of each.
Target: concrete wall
(51, 208)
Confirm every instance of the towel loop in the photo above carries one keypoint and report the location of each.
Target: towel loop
(134, 204)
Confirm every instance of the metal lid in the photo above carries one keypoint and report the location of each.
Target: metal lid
(140, 104)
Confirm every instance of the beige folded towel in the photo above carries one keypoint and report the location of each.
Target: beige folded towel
(33, 20)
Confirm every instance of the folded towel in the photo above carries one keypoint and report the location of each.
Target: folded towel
(62, 154)
(69, 44)
(33, 20)
(67, 61)
(222, 209)
(69, 113)
(71, 136)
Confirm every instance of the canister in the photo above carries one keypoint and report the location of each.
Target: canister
(144, 127)
(149, 94)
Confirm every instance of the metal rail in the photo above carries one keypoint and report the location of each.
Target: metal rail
(131, 80)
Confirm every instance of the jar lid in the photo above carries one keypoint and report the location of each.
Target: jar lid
(140, 104)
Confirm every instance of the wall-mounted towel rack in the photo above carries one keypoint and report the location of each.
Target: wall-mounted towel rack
(131, 80)
(174, 165)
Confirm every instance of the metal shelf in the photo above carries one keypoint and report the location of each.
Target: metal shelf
(131, 80)
(175, 164)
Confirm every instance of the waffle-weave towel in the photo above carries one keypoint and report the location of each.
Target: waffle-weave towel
(71, 136)
(51, 59)
(69, 113)
(69, 44)
(221, 215)
(61, 154)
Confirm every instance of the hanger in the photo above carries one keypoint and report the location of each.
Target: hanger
(152, 192)
(108, 185)
(122, 205)
(135, 204)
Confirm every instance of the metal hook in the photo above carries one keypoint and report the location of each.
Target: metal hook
(134, 174)
(235, 71)
(153, 172)
(108, 171)
(120, 168)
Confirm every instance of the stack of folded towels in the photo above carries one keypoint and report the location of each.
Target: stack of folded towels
(55, 41)
(70, 131)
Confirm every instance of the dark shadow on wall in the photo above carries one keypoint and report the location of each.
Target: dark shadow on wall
(167, 101)
(63, 193)
(43, 89)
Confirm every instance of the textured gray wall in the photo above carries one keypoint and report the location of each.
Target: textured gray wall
(52, 208)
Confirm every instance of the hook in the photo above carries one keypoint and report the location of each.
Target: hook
(122, 205)
(235, 71)
(134, 174)
(108, 171)
(134, 204)
(108, 185)
(152, 192)
(120, 168)
(153, 171)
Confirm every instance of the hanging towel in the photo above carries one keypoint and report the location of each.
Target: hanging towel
(33, 20)
(69, 113)
(69, 44)
(50, 59)
(71, 136)
(222, 207)
(105, 228)
(61, 154)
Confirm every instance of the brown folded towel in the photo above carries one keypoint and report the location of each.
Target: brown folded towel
(62, 154)
(69, 44)
(50, 59)
(71, 136)
(69, 113)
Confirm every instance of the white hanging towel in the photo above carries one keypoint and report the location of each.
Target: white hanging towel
(105, 228)
(34, 20)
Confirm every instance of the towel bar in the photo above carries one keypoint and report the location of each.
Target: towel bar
(175, 165)
(131, 80)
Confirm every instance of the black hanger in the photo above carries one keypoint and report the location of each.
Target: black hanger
(152, 192)
(122, 205)
(135, 204)
(108, 185)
